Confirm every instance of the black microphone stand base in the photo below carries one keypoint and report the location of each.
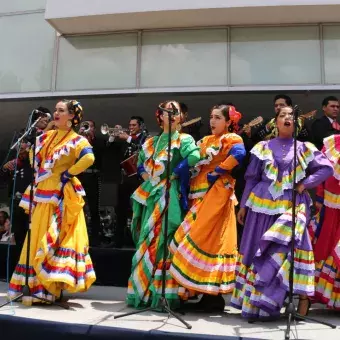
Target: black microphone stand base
(163, 306)
(26, 292)
(290, 314)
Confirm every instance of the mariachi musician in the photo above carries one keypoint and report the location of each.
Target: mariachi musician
(130, 143)
(268, 129)
(91, 180)
(23, 176)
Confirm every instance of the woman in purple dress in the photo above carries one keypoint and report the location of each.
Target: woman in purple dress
(262, 270)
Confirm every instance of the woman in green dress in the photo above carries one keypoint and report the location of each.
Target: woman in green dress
(145, 283)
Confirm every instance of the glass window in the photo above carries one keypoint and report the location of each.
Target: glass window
(97, 62)
(275, 55)
(184, 58)
(331, 36)
(26, 58)
(7, 6)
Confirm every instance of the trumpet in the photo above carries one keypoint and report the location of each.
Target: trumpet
(112, 131)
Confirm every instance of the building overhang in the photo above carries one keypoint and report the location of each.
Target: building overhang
(88, 16)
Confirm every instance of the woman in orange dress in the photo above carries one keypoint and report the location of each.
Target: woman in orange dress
(59, 258)
(205, 245)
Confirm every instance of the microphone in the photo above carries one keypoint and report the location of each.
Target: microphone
(165, 110)
(174, 110)
(296, 111)
(42, 114)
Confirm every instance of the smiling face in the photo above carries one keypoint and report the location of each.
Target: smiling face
(218, 122)
(285, 123)
(62, 116)
(134, 127)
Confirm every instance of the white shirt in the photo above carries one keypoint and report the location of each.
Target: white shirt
(330, 119)
(130, 138)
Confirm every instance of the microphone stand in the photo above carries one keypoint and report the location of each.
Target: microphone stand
(28, 131)
(26, 290)
(290, 311)
(163, 303)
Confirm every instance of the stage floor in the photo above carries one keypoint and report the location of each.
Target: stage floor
(100, 304)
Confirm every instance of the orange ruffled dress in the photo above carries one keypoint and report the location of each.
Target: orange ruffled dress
(204, 248)
(59, 258)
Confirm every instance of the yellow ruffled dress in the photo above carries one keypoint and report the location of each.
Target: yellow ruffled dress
(59, 258)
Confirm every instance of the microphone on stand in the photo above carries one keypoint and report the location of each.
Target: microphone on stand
(174, 110)
(296, 112)
(27, 132)
(42, 114)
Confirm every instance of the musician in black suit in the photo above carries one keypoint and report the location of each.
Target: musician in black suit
(91, 180)
(17, 173)
(265, 131)
(326, 125)
(23, 178)
(127, 145)
(133, 140)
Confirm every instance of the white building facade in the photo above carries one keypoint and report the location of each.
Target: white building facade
(122, 58)
(85, 47)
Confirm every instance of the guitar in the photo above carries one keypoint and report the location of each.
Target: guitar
(253, 123)
(192, 121)
(308, 115)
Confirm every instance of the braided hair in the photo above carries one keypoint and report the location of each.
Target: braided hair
(74, 107)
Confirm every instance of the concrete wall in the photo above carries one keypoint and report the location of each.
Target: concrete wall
(77, 8)
(88, 16)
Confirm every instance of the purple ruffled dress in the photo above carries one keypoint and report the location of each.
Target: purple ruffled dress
(262, 270)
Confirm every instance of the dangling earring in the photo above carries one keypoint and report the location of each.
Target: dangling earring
(274, 133)
(69, 124)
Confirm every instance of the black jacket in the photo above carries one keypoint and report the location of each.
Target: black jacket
(115, 153)
(23, 178)
(322, 128)
(127, 149)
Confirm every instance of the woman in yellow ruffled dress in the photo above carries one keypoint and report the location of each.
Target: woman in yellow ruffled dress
(59, 258)
(205, 245)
